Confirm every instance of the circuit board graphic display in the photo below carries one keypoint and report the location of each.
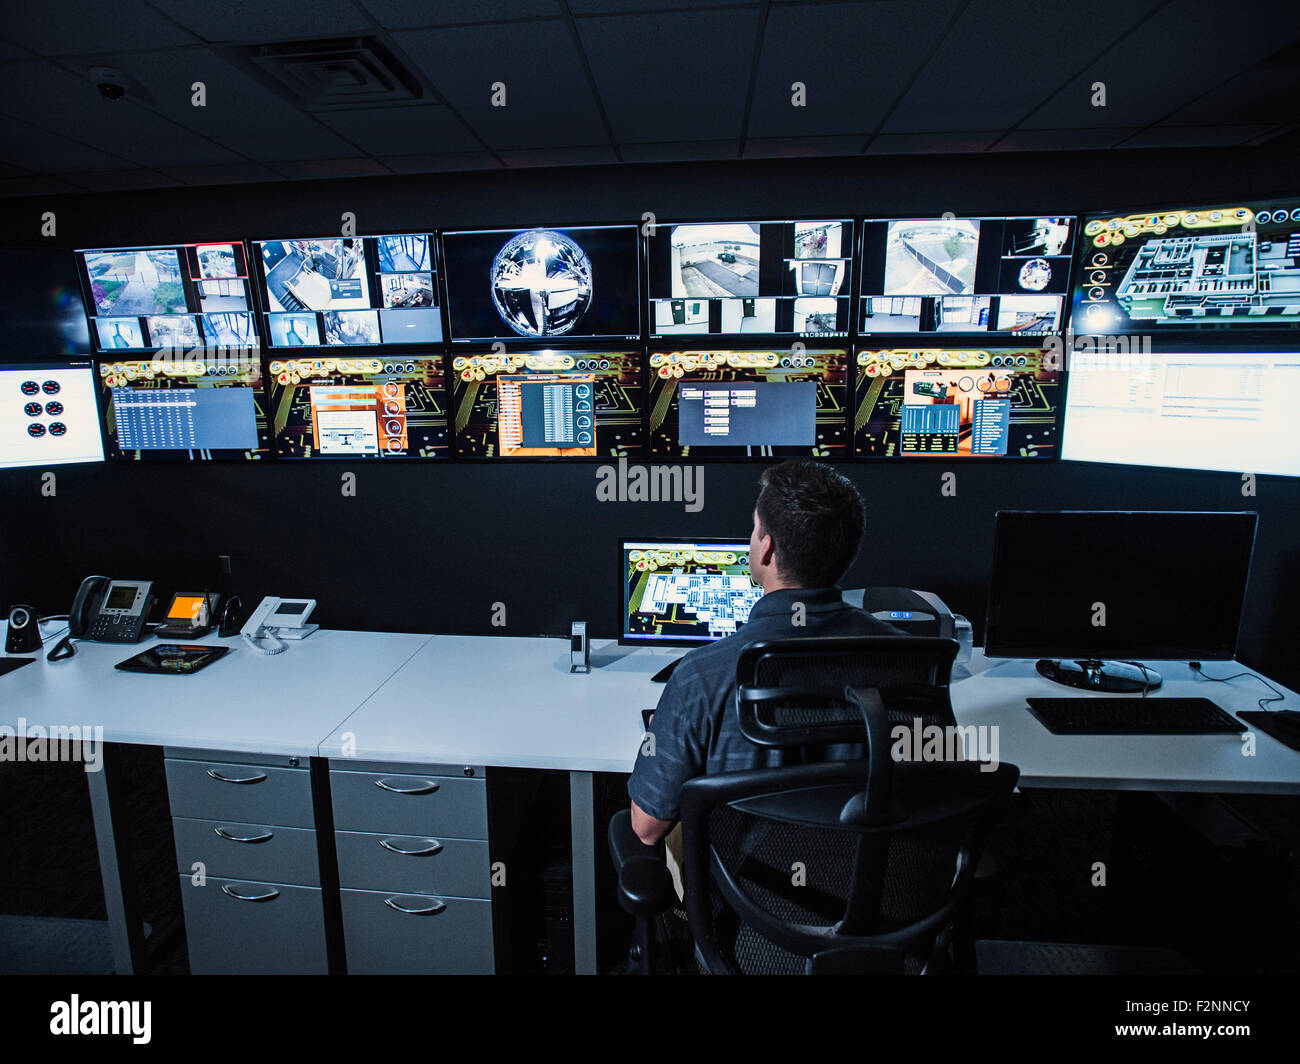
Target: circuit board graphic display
(390, 407)
(995, 403)
(548, 404)
(1233, 267)
(679, 593)
(687, 376)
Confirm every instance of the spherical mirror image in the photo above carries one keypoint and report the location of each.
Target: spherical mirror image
(541, 283)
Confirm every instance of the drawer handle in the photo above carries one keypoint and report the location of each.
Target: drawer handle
(271, 895)
(231, 779)
(432, 910)
(428, 851)
(428, 788)
(266, 836)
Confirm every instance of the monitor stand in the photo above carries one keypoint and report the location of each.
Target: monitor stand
(662, 675)
(1093, 674)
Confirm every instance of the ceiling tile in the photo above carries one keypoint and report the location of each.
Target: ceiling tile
(938, 143)
(1194, 136)
(848, 89)
(12, 51)
(402, 14)
(319, 169)
(660, 76)
(61, 102)
(233, 174)
(583, 156)
(680, 151)
(434, 163)
(1203, 46)
(73, 27)
(1268, 94)
(268, 20)
(547, 97)
(241, 114)
(1062, 139)
(36, 186)
(612, 7)
(395, 130)
(24, 145)
(1003, 57)
(124, 180)
(802, 147)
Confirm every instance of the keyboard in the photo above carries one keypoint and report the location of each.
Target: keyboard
(1133, 715)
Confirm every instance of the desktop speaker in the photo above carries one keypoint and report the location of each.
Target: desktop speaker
(24, 636)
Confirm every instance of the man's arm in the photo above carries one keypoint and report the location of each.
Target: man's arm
(649, 829)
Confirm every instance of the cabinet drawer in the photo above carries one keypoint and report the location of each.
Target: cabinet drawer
(409, 804)
(459, 867)
(455, 939)
(247, 851)
(282, 934)
(202, 790)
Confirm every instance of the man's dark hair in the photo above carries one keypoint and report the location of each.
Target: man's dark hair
(815, 517)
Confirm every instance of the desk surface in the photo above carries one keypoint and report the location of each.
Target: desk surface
(279, 704)
(512, 702)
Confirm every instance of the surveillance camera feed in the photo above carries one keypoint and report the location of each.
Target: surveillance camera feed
(178, 296)
(1234, 267)
(543, 284)
(179, 408)
(731, 404)
(995, 403)
(350, 291)
(548, 404)
(751, 278)
(683, 593)
(965, 275)
(394, 406)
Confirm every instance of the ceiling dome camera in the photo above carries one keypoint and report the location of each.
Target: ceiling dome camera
(110, 90)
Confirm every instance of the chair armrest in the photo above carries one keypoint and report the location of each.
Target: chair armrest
(645, 886)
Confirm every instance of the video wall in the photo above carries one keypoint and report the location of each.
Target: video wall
(1163, 337)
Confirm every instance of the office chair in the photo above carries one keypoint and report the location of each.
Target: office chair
(841, 860)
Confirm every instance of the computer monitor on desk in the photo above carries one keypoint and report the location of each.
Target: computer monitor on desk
(683, 592)
(1093, 592)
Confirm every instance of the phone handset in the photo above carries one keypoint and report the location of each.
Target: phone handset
(255, 631)
(89, 597)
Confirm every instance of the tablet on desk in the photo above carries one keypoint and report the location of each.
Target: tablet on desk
(175, 659)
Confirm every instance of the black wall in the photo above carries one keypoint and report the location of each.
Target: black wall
(432, 547)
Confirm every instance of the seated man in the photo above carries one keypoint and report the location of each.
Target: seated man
(808, 524)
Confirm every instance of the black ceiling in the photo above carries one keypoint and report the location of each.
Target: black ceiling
(606, 81)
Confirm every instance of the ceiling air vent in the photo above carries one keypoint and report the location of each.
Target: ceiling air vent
(325, 75)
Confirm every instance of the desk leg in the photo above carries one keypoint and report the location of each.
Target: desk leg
(582, 821)
(108, 805)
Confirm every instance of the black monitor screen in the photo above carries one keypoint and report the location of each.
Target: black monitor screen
(350, 291)
(751, 278)
(1234, 267)
(991, 403)
(549, 404)
(543, 284)
(183, 408)
(678, 592)
(41, 305)
(178, 296)
(749, 403)
(1118, 585)
(965, 275)
(394, 406)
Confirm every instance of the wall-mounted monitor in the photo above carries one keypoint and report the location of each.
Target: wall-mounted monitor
(940, 402)
(965, 275)
(543, 285)
(390, 406)
(751, 278)
(549, 404)
(178, 408)
(1226, 269)
(177, 296)
(735, 404)
(48, 414)
(350, 291)
(41, 305)
(1233, 411)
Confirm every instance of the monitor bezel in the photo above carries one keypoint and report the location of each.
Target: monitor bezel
(1149, 652)
(624, 640)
